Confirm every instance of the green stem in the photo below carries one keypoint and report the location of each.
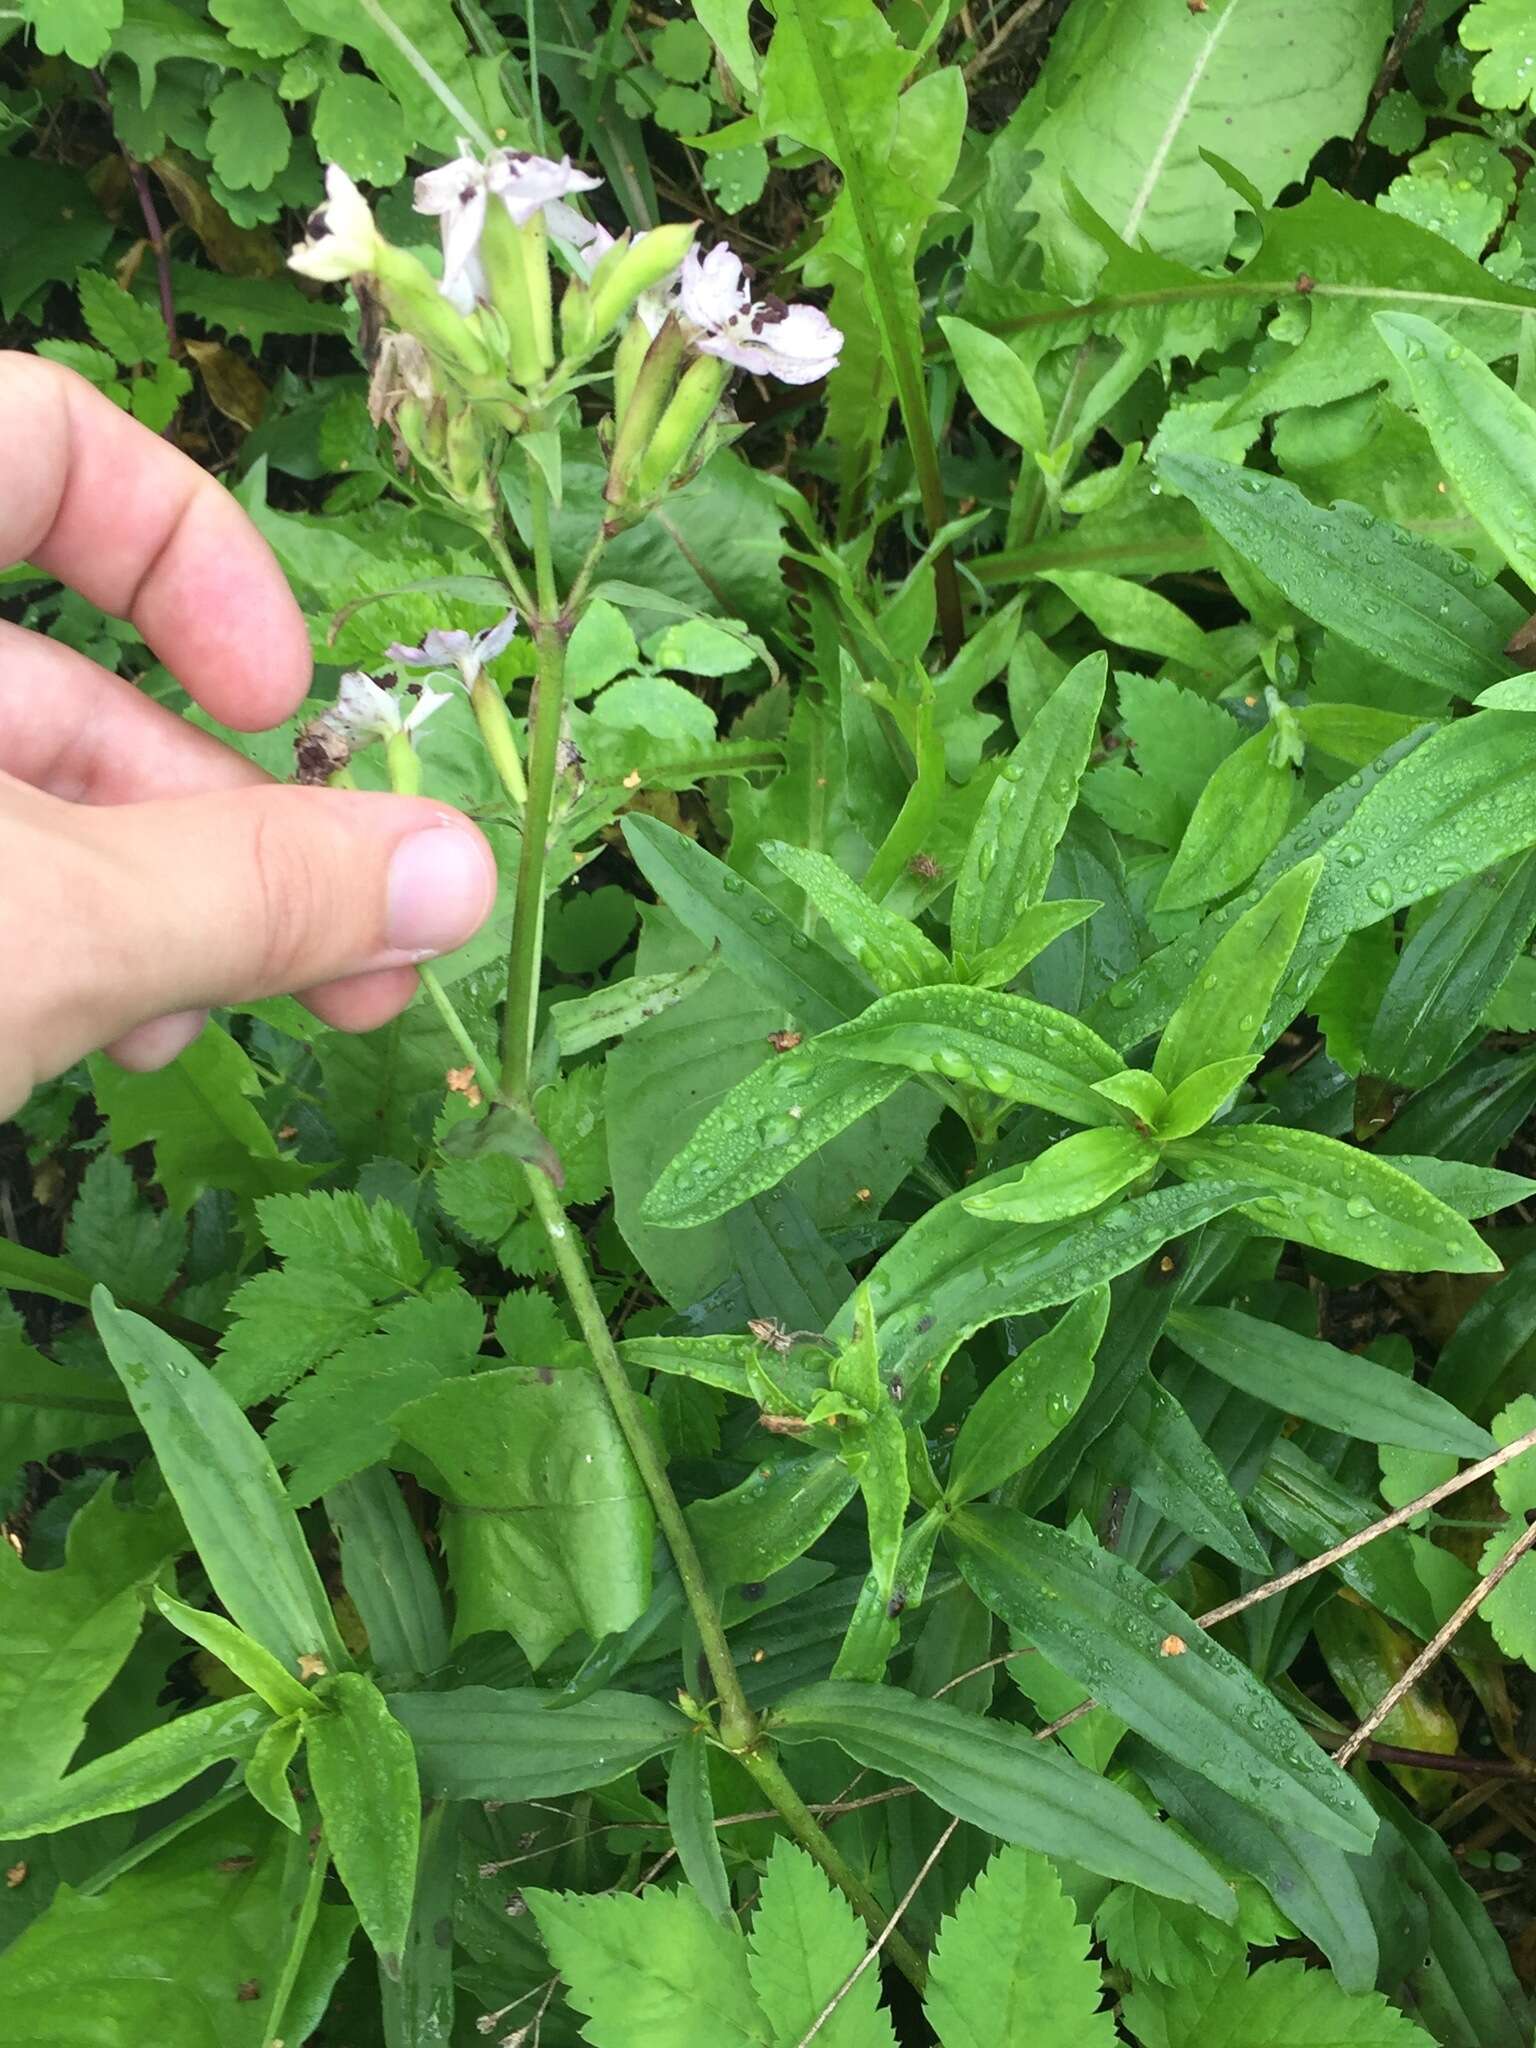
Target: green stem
(813, 1837)
(543, 761)
(738, 1724)
(458, 1031)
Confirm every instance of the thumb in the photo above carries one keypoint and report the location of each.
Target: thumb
(195, 902)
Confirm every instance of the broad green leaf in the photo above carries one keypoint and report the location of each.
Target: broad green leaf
(1081, 1172)
(358, 124)
(1224, 1015)
(1131, 615)
(165, 1952)
(1483, 432)
(248, 135)
(228, 1491)
(67, 1633)
(1397, 597)
(47, 1408)
(772, 1517)
(1012, 1969)
(142, 1771)
(691, 1818)
(1134, 1090)
(266, 1771)
(993, 1774)
(998, 383)
(1029, 1403)
(1099, 1619)
(804, 1942)
(1242, 812)
(1282, 2005)
(1306, 1377)
(198, 1115)
(652, 1970)
(951, 1274)
(1030, 934)
(116, 1237)
(1009, 1045)
(1338, 1199)
(1518, 694)
(756, 940)
(1012, 846)
(1135, 98)
(1452, 964)
(362, 1768)
(81, 30)
(777, 1117)
(1157, 1452)
(480, 1742)
(890, 949)
(548, 1528)
(1200, 1095)
(249, 1662)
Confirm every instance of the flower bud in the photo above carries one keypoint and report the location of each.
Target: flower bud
(643, 407)
(516, 264)
(632, 267)
(411, 297)
(700, 391)
(340, 239)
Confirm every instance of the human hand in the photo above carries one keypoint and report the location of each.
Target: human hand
(148, 872)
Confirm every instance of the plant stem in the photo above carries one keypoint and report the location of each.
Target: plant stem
(457, 1030)
(813, 1838)
(738, 1724)
(293, 1962)
(543, 759)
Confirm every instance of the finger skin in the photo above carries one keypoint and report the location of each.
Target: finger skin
(121, 915)
(136, 527)
(68, 727)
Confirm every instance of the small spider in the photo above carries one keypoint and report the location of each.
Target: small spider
(773, 1336)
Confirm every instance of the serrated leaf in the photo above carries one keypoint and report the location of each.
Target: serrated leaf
(651, 1971)
(1099, 1619)
(118, 1239)
(1282, 2005)
(128, 330)
(1012, 847)
(1011, 1967)
(1306, 1377)
(373, 1242)
(804, 1941)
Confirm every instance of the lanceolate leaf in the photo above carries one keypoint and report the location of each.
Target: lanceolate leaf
(995, 1775)
(779, 1115)
(1159, 1454)
(227, 1489)
(1099, 1619)
(1305, 1377)
(1242, 812)
(952, 1274)
(1013, 844)
(481, 1743)
(362, 1769)
(1340, 1199)
(1030, 1402)
(1415, 606)
(142, 1771)
(1483, 432)
(1081, 1172)
(890, 949)
(1009, 1045)
(756, 940)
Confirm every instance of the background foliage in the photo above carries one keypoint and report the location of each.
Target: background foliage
(1037, 1032)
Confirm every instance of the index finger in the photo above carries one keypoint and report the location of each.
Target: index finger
(137, 528)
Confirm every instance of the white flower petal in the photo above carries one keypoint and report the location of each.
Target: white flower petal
(364, 711)
(713, 289)
(490, 642)
(426, 703)
(341, 238)
(526, 184)
(796, 344)
(445, 189)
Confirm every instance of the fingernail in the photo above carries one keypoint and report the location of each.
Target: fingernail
(148, 1047)
(441, 887)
